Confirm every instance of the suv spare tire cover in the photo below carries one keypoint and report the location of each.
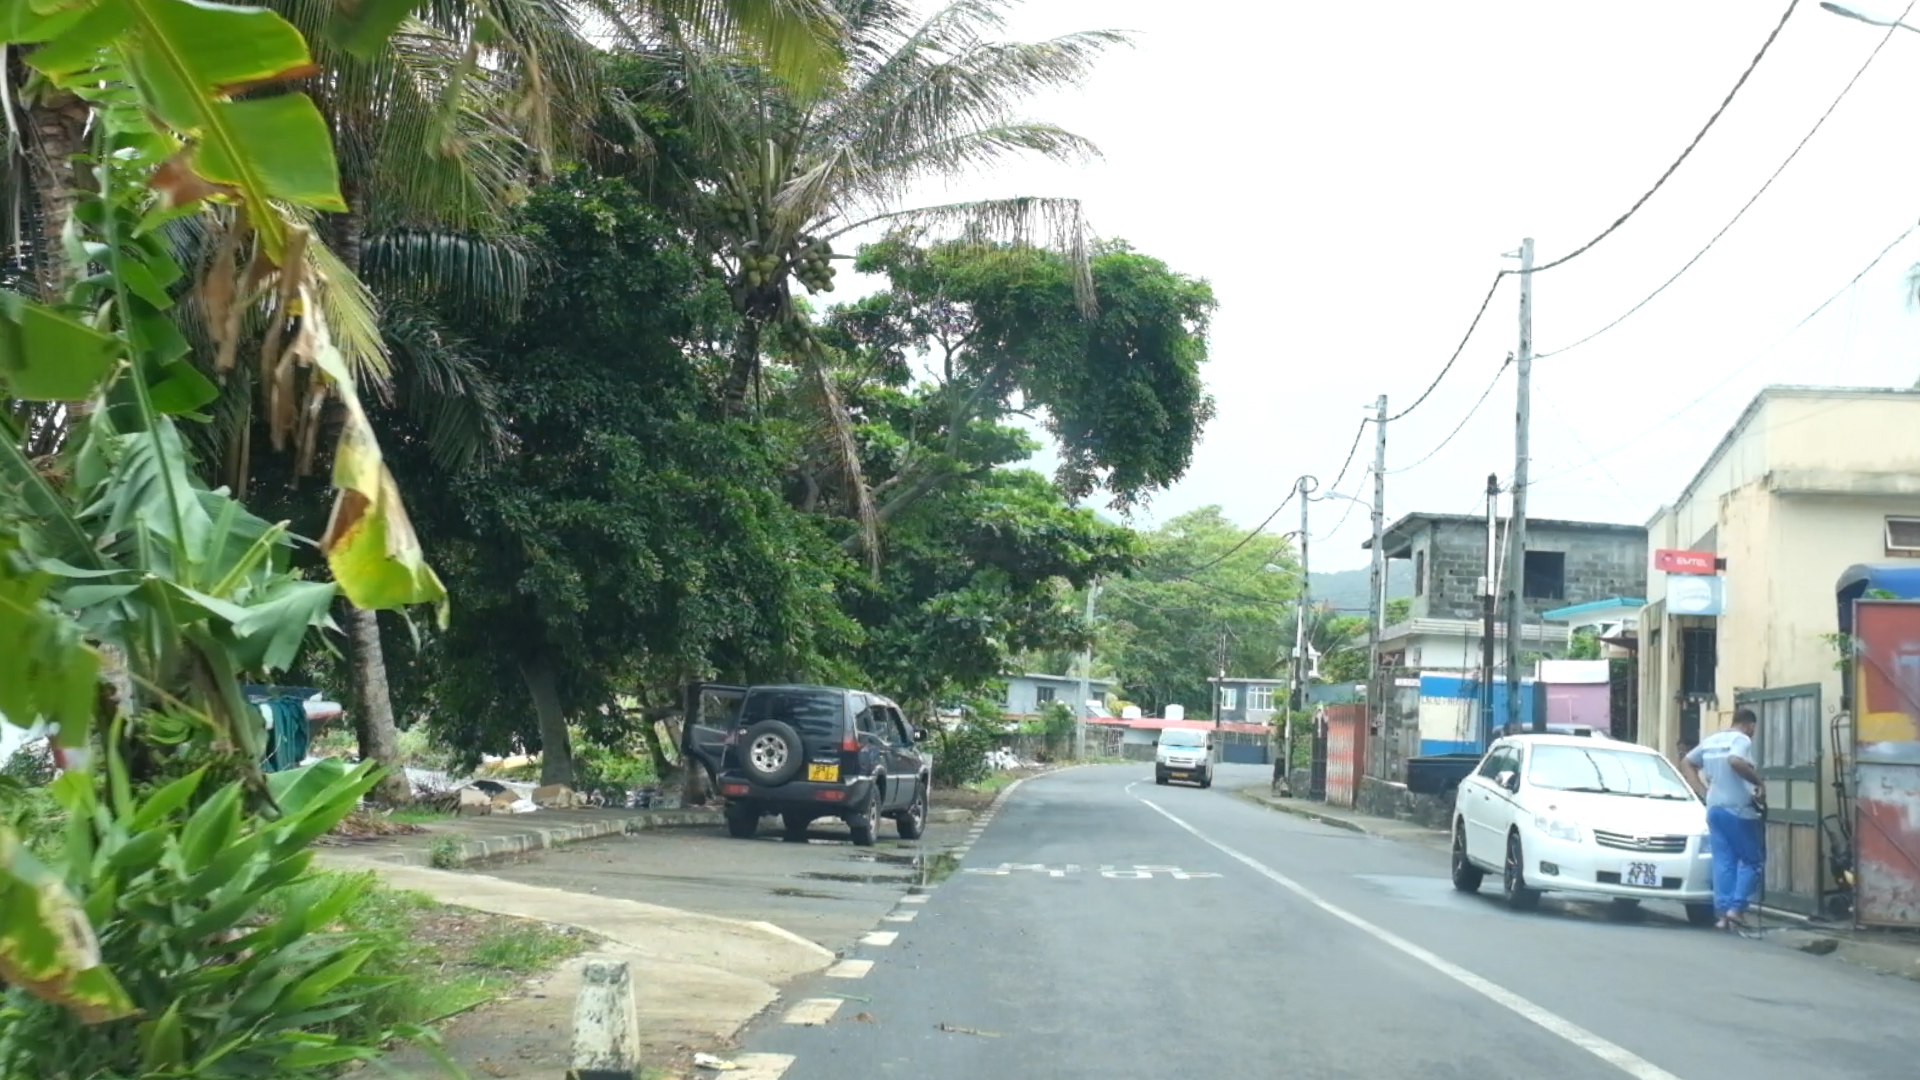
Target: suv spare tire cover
(789, 766)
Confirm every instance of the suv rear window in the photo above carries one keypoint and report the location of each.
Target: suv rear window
(812, 712)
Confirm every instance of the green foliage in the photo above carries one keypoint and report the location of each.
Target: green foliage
(1584, 644)
(213, 986)
(1121, 390)
(960, 751)
(1162, 629)
(612, 772)
(444, 853)
(1399, 611)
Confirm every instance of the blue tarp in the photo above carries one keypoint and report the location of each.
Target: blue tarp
(1901, 579)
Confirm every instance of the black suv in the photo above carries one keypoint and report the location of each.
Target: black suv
(807, 752)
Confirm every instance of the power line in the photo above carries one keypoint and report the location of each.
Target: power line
(1737, 372)
(1802, 145)
(1262, 527)
(1457, 428)
(1684, 154)
(1361, 430)
(1458, 349)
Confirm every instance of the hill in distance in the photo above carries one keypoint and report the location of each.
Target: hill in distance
(1347, 589)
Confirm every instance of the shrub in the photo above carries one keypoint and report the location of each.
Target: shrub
(611, 772)
(960, 752)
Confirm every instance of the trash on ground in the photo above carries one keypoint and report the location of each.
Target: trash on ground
(958, 1030)
(708, 1061)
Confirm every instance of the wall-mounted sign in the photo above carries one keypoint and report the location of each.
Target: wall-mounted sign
(1671, 561)
(1696, 594)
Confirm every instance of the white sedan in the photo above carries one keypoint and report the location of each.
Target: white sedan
(1560, 813)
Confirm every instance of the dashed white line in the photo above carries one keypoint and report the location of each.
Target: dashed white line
(899, 916)
(850, 969)
(880, 937)
(812, 1012)
(917, 898)
(1612, 1053)
(759, 1066)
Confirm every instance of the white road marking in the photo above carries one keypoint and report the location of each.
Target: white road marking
(899, 916)
(850, 969)
(880, 937)
(813, 1011)
(759, 1067)
(917, 898)
(1612, 1053)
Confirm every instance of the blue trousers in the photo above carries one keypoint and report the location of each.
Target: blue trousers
(1739, 855)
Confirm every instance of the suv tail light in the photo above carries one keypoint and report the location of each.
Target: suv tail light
(850, 744)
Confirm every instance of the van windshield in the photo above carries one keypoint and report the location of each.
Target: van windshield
(1183, 737)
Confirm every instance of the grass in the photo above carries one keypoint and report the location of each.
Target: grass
(444, 853)
(418, 815)
(445, 960)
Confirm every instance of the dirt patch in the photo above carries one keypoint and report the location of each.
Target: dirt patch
(369, 825)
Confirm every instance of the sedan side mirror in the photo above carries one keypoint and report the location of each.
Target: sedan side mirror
(1508, 779)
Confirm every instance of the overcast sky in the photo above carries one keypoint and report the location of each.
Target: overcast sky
(1348, 176)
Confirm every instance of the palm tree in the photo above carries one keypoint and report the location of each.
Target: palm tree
(779, 176)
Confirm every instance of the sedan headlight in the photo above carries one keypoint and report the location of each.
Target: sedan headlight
(1557, 828)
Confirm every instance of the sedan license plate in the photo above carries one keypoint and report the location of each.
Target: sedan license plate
(827, 773)
(1644, 874)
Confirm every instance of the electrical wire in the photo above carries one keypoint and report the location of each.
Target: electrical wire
(1457, 428)
(1351, 450)
(1684, 154)
(1458, 349)
(1802, 145)
(1736, 372)
(1262, 527)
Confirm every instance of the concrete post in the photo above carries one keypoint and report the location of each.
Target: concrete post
(606, 1024)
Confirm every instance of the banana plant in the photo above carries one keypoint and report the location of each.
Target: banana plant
(120, 568)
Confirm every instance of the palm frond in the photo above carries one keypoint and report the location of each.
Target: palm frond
(797, 40)
(1027, 221)
(443, 384)
(486, 277)
(835, 428)
(979, 148)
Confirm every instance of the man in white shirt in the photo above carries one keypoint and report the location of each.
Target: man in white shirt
(1722, 765)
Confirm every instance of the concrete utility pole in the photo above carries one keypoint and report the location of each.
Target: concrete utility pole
(1303, 488)
(1086, 683)
(1489, 587)
(1517, 524)
(1377, 599)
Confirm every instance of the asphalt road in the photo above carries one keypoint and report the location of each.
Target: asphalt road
(1105, 927)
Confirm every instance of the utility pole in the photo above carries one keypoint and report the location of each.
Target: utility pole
(1298, 693)
(1517, 522)
(1488, 589)
(1086, 682)
(1377, 599)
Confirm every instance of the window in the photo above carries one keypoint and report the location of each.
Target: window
(1229, 698)
(1698, 661)
(1903, 537)
(813, 712)
(1419, 573)
(1500, 759)
(1044, 695)
(1260, 698)
(1605, 770)
(1546, 575)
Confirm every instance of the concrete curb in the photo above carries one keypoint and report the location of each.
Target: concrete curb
(536, 838)
(1274, 802)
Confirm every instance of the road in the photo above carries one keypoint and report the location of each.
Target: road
(1225, 939)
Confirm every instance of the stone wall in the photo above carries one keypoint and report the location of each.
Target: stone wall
(1389, 799)
(1601, 563)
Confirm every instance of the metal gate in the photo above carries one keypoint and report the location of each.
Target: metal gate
(1886, 731)
(1346, 753)
(1788, 745)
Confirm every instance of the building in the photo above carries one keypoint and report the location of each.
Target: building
(1808, 483)
(1568, 563)
(1248, 701)
(1028, 694)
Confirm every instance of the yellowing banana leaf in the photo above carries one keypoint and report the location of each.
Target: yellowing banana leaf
(47, 947)
(48, 356)
(369, 542)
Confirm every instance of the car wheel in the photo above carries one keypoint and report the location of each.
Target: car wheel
(864, 824)
(912, 821)
(1466, 876)
(743, 822)
(796, 826)
(1519, 897)
(1160, 777)
(772, 753)
(1206, 779)
(1701, 915)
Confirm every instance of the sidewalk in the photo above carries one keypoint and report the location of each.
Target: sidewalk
(698, 978)
(490, 836)
(1889, 952)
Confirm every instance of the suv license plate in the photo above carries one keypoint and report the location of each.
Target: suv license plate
(827, 773)
(1644, 874)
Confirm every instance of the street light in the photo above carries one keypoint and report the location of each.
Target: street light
(1844, 11)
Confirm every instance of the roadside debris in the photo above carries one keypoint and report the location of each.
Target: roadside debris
(708, 1061)
(956, 1029)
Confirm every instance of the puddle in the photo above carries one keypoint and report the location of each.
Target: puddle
(804, 894)
(857, 879)
(930, 868)
(938, 867)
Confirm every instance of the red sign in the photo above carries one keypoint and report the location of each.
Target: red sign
(1669, 561)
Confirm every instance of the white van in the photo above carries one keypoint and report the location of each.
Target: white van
(1184, 754)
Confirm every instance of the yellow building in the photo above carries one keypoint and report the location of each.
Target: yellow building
(1809, 482)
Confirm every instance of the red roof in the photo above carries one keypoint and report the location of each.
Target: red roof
(1156, 723)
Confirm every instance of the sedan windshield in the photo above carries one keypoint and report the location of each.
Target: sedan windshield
(1183, 737)
(1607, 770)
